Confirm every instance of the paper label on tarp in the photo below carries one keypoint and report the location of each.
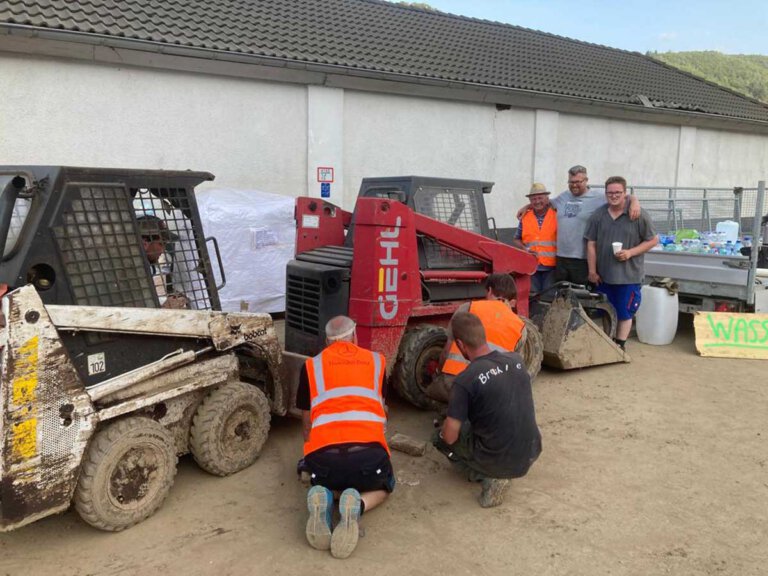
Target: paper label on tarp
(256, 232)
(261, 237)
(731, 335)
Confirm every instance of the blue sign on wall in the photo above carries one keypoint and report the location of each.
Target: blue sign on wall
(325, 190)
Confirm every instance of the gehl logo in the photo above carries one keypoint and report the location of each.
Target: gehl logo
(388, 271)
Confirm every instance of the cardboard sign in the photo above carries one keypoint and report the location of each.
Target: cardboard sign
(731, 335)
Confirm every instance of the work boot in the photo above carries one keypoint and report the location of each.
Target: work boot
(347, 531)
(494, 490)
(320, 504)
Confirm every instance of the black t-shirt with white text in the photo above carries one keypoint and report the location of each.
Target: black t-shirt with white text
(494, 394)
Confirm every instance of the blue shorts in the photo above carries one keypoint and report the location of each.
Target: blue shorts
(625, 298)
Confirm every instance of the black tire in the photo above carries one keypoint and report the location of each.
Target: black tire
(229, 428)
(532, 348)
(127, 472)
(417, 361)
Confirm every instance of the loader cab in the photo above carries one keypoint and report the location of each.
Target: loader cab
(75, 234)
(318, 280)
(460, 203)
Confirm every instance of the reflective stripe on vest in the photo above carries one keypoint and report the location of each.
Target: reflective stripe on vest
(503, 330)
(345, 384)
(541, 240)
(351, 416)
(322, 395)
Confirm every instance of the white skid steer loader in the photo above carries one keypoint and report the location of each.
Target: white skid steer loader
(103, 384)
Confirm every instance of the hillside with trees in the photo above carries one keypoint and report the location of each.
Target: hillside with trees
(746, 74)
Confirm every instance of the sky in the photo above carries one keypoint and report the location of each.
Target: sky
(735, 27)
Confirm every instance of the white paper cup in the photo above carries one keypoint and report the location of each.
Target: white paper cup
(616, 247)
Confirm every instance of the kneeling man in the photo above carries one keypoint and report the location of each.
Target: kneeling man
(490, 430)
(344, 416)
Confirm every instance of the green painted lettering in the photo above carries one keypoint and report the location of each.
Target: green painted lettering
(740, 328)
(718, 329)
(765, 330)
(755, 337)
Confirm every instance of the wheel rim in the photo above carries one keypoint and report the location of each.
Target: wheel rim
(427, 366)
(239, 429)
(133, 478)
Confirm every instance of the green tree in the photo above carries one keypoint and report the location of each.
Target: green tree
(746, 74)
(422, 5)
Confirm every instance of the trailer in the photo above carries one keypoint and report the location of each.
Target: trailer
(709, 281)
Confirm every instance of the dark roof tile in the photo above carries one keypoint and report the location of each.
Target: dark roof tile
(378, 36)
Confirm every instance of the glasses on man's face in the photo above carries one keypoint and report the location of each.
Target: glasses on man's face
(616, 193)
(576, 182)
(152, 238)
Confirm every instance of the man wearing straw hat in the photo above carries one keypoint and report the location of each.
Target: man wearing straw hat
(537, 233)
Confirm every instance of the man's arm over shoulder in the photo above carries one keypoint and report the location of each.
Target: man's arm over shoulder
(558, 201)
(647, 233)
(634, 207)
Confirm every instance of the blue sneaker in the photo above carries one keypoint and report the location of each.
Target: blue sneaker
(320, 504)
(344, 539)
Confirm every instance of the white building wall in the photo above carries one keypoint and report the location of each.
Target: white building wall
(399, 135)
(727, 159)
(248, 133)
(645, 154)
(272, 136)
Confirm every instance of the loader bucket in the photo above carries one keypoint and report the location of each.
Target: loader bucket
(571, 338)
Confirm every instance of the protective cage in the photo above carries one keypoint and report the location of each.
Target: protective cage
(106, 237)
(92, 230)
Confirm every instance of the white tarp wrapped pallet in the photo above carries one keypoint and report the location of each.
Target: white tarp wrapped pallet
(256, 235)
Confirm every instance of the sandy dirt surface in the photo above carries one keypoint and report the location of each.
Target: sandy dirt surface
(656, 467)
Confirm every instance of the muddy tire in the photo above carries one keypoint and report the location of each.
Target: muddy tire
(417, 362)
(229, 428)
(127, 472)
(532, 348)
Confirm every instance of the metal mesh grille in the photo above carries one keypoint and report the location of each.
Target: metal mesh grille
(302, 304)
(700, 209)
(455, 207)
(97, 241)
(179, 269)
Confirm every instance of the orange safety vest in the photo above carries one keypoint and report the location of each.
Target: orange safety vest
(503, 330)
(346, 405)
(542, 241)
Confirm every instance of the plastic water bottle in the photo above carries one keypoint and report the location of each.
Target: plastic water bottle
(737, 248)
(728, 248)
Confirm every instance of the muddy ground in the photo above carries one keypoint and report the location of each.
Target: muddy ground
(657, 467)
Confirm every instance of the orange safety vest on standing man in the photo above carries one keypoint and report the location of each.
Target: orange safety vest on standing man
(503, 330)
(345, 391)
(542, 241)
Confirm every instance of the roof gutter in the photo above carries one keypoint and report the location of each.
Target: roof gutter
(502, 93)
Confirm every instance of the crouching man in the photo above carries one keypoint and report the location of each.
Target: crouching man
(490, 431)
(345, 452)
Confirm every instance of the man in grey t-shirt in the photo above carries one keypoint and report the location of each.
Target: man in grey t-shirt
(615, 248)
(574, 207)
